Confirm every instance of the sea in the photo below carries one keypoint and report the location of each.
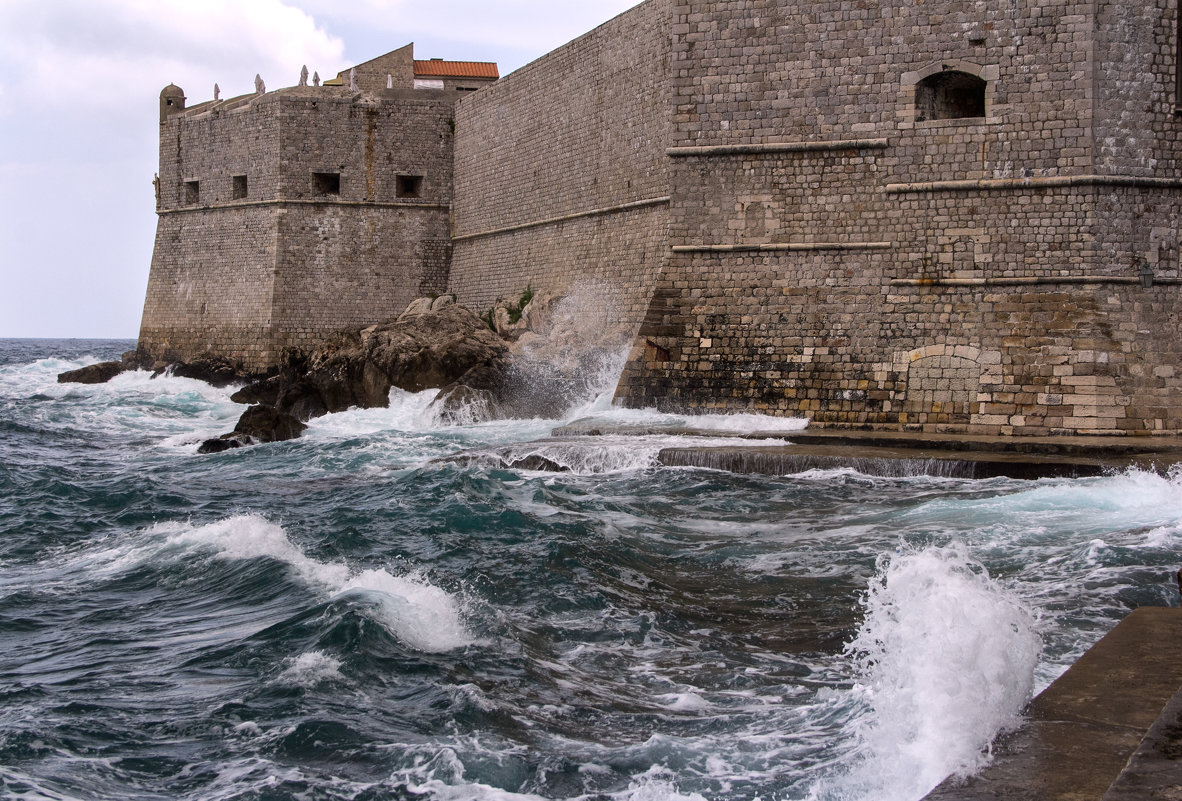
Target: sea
(382, 609)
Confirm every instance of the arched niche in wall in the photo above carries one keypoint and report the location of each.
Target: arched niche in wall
(942, 383)
(948, 90)
(949, 95)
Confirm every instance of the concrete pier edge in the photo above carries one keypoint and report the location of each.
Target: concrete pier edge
(1107, 729)
(889, 453)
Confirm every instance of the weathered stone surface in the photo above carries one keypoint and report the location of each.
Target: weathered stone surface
(417, 306)
(215, 370)
(420, 349)
(220, 444)
(268, 424)
(99, 373)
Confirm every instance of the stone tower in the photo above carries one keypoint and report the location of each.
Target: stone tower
(287, 215)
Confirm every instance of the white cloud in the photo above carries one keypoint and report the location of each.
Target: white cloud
(533, 26)
(100, 54)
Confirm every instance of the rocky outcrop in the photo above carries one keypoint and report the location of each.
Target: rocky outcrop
(259, 423)
(434, 343)
(534, 357)
(99, 373)
(212, 369)
(215, 370)
(424, 348)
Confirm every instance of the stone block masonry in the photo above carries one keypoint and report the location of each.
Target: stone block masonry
(952, 216)
(921, 217)
(561, 175)
(287, 216)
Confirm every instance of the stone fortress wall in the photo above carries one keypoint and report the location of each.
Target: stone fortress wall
(915, 216)
(561, 174)
(848, 245)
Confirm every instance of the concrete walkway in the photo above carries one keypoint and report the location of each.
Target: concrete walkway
(1109, 729)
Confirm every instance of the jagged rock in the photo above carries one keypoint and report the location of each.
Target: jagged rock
(139, 360)
(302, 400)
(219, 444)
(416, 307)
(420, 349)
(99, 373)
(509, 318)
(259, 423)
(215, 370)
(264, 391)
(267, 424)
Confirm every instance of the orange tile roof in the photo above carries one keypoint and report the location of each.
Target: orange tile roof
(439, 68)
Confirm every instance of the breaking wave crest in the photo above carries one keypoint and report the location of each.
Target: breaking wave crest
(419, 614)
(946, 657)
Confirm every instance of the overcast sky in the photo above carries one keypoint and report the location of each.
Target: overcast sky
(79, 111)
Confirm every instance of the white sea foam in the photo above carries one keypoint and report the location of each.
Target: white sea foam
(176, 411)
(252, 537)
(947, 657)
(683, 702)
(441, 778)
(420, 614)
(1091, 507)
(312, 668)
(407, 411)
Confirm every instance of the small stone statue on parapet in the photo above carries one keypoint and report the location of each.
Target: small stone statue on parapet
(352, 79)
(217, 92)
(304, 75)
(315, 78)
(260, 88)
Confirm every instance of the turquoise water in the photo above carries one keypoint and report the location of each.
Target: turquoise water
(352, 616)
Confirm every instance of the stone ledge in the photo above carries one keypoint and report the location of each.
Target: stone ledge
(782, 246)
(370, 204)
(1049, 182)
(1033, 280)
(770, 148)
(636, 204)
